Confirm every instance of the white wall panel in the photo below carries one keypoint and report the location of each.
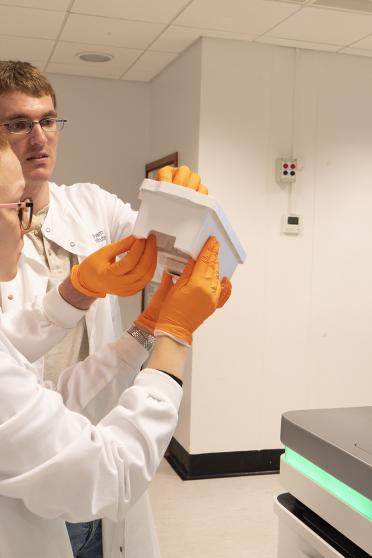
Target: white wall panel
(342, 269)
(298, 329)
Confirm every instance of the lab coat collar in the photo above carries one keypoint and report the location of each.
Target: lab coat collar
(33, 280)
(64, 226)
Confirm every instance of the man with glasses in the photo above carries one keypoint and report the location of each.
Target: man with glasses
(69, 224)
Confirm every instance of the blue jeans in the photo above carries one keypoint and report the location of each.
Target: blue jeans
(86, 539)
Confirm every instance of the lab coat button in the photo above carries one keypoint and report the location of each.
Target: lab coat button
(47, 229)
(72, 244)
(10, 297)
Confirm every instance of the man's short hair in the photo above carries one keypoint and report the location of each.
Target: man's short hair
(24, 77)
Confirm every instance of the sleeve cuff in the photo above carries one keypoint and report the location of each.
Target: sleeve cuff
(159, 333)
(160, 385)
(129, 349)
(60, 312)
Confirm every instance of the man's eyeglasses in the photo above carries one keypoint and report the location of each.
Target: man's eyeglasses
(25, 126)
(25, 210)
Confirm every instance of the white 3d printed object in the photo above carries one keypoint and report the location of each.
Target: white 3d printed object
(183, 220)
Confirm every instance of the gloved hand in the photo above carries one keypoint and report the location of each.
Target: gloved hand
(147, 320)
(182, 176)
(99, 274)
(195, 296)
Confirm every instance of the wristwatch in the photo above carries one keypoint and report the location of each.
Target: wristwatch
(146, 339)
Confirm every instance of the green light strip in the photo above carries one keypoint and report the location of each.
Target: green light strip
(342, 491)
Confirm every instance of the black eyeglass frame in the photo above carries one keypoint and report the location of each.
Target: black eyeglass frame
(60, 122)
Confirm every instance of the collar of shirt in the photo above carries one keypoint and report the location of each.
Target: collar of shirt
(39, 218)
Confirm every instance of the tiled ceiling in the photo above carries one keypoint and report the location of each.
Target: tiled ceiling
(143, 36)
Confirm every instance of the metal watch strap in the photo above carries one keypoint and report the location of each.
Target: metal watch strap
(146, 339)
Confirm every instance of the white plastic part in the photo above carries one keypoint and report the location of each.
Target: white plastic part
(183, 220)
(297, 540)
(291, 224)
(345, 519)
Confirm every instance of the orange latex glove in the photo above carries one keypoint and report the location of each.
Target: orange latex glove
(182, 176)
(147, 320)
(99, 274)
(195, 296)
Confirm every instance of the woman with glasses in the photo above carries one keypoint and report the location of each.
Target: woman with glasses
(37, 328)
(70, 223)
(17, 219)
(57, 468)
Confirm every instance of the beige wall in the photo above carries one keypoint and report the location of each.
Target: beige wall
(174, 109)
(106, 138)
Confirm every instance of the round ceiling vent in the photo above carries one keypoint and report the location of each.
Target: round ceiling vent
(94, 56)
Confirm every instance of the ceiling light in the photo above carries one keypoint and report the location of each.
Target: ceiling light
(94, 56)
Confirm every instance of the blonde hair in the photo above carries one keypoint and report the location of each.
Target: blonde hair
(24, 77)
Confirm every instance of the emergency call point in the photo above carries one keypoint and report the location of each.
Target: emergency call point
(286, 171)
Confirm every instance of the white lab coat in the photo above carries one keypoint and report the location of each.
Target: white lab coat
(81, 218)
(56, 466)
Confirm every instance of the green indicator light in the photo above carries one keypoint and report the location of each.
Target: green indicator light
(335, 487)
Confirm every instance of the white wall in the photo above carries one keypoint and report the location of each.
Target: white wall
(174, 126)
(105, 140)
(174, 109)
(296, 333)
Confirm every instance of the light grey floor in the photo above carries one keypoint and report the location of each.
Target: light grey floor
(215, 518)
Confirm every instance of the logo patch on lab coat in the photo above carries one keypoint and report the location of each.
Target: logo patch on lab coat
(99, 237)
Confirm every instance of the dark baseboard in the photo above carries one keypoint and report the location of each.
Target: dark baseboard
(224, 464)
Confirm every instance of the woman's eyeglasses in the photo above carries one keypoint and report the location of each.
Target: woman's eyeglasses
(25, 210)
